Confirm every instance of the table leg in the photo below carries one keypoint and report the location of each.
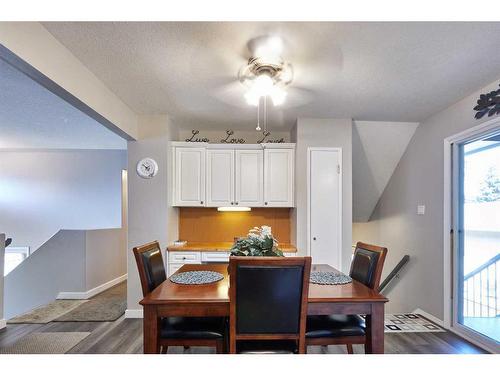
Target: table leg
(375, 330)
(150, 329)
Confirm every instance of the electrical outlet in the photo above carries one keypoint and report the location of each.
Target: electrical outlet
(420, 210)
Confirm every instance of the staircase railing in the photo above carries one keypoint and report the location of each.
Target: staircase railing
(481, 290)
(394, 272)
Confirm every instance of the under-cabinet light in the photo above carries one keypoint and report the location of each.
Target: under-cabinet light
(233, 209)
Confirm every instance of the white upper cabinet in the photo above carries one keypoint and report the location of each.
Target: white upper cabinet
(189, 176)
(279, 177)
(225, 175)
(220, 177)
(249, 187)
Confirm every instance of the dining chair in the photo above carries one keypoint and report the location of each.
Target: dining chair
(176, 331)
(268, 304)
(366, 267)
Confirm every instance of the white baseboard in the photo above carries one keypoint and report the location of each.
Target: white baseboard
(431, 317)
(92, 292)
(3, 323)
(133, 314)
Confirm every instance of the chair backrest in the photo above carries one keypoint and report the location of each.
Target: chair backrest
(268, 298)
(150, 264)
(367, 264)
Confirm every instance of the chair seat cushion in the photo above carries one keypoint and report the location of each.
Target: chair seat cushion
(266, 347)
(319, 326)
(192, 328)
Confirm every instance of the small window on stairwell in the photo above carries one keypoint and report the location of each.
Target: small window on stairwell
(15, 256)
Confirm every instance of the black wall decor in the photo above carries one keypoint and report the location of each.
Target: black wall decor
(193, 139)
(488, 103)
(229, 133)
(266, 134)
(265, 138)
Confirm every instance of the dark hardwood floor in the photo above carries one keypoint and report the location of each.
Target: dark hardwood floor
(125, 336)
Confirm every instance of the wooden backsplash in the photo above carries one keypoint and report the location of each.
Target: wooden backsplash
(209, 225)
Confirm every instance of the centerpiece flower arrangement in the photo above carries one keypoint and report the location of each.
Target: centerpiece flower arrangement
(259, 243)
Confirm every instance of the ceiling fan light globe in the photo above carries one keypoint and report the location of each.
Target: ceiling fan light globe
(263, 85)
(252, 98)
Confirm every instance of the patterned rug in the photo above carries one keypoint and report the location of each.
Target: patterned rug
(45, 343)
(409, 323)
(47, 313)
(105, 307)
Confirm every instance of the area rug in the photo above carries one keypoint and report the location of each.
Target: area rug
(105, 307)
(45, 343)
(409, 323)
(47, 313)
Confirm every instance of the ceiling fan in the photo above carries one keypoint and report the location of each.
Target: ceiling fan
(266, 74)
(258, 75)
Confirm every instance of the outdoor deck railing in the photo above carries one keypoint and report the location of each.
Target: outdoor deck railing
(481, 290)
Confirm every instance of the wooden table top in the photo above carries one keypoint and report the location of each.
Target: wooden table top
(221, 246)
(169, 292)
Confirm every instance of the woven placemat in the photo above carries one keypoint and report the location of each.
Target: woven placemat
(329, 278)
(196, 277)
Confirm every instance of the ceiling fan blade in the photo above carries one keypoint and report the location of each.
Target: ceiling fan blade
(232, 93)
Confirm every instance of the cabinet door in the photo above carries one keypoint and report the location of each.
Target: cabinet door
(279, 165)
(220, 178)
(249, 187)
(189, 185)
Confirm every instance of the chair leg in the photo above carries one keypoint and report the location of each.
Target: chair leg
(219, 346)
(349, 349)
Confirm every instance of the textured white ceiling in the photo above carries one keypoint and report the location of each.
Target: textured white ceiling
(365, 71)
(33, 117)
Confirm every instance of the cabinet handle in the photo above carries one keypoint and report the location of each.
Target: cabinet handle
(265, 203)
(232, 203)
(236, 203)
(201, 202)
(314, 238)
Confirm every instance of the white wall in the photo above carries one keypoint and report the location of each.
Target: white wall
(42, 192)
(105, 256)
(2, 259)
(72, 262)
(150, 215)
(377, 147)
(322, 133)
(59, 263)
(418, 179)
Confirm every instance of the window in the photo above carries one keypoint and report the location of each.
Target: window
(14, 256)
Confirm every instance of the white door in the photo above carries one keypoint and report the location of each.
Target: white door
(249, 187)
(324, 206)
(278, 177)
(220, 178)
(189, 188)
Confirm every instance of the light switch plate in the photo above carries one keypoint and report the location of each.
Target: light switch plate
(420, 210)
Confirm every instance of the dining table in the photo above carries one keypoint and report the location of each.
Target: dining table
(171, 299)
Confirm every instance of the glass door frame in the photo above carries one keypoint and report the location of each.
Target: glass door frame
(453, 191)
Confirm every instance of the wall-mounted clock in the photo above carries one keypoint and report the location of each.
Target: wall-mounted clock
(147, 168)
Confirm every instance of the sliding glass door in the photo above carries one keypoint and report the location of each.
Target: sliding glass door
(477, 236)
